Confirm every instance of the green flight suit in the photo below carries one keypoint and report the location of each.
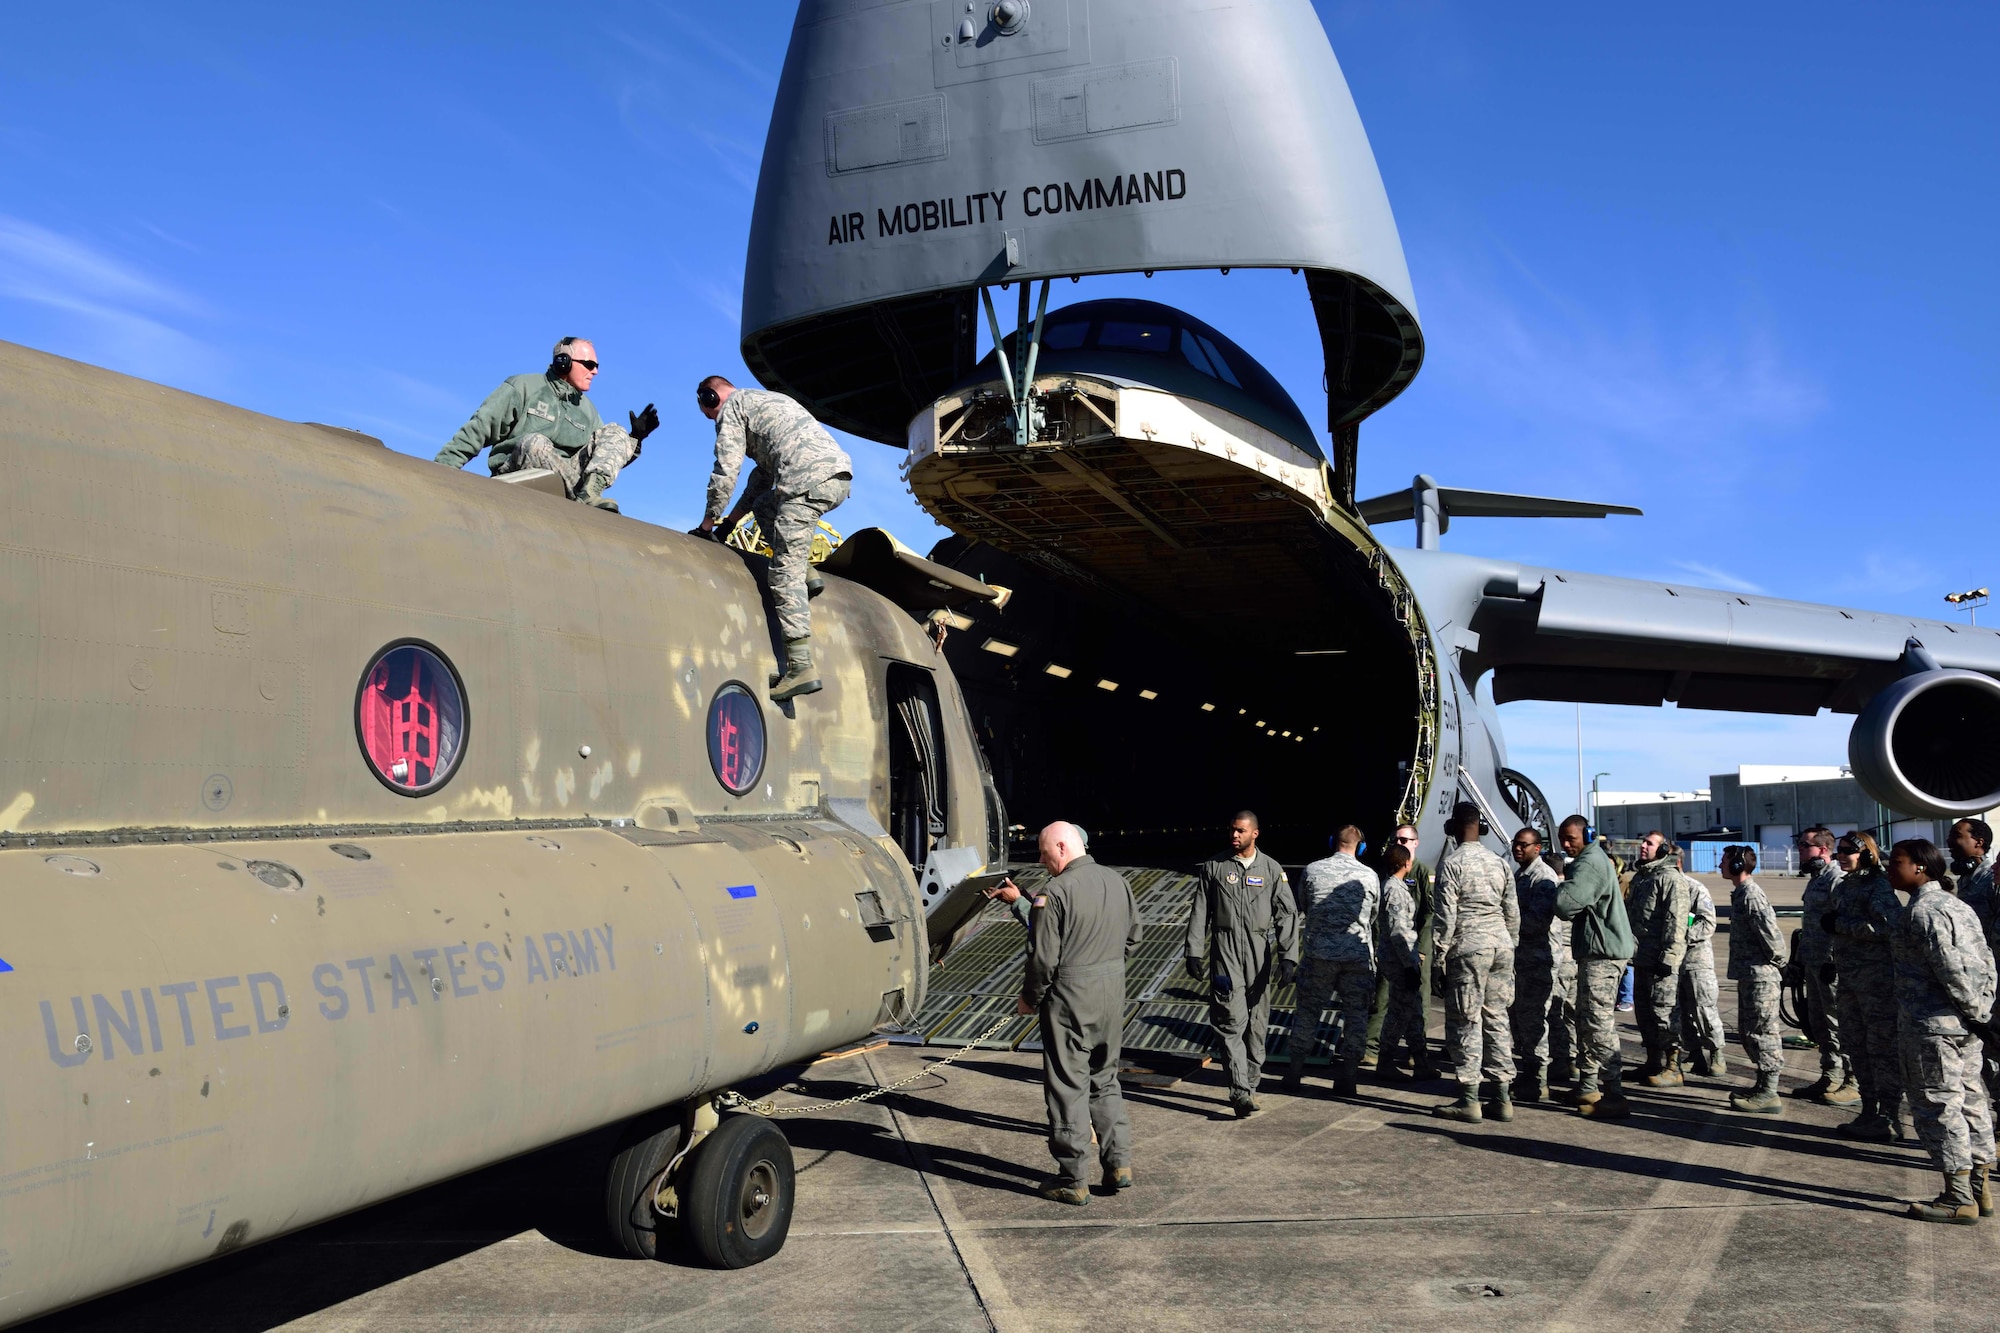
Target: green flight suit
(1084, 925)
(1244, 920)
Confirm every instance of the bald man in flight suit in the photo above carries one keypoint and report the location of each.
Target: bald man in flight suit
(1083, 925)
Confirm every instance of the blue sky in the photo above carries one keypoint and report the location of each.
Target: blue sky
(1730, 263)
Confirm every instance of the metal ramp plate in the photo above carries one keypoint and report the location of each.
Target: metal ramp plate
(1167, 1015)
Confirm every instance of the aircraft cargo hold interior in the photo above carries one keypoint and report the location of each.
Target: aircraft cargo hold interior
(1195, 621)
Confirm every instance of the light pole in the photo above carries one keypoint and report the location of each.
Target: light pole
(1593, 796)
(1579, 756)
(1969, 601)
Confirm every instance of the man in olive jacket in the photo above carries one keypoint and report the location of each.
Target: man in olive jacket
(1243, 907)
(548, 421)
(1083, 925)
(1601, 940)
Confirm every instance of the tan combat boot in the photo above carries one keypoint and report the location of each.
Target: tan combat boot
(1982, 1188)
(798, 678)
(1670, 1075)
(1761, 1099)
(591, 491)
(1846, 1092)
(1117, 1178)
(1955, 1205)
(1466, 1108)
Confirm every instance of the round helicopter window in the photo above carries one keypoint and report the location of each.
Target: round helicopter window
(410, 717)
(736, 738)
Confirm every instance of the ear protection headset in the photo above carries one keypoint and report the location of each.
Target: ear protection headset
(560, 365)
(707, 396)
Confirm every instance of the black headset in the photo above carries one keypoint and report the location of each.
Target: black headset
(706, 395)
(560, 366)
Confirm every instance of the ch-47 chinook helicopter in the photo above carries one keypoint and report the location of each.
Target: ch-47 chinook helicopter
(366, 822)
(363, 823)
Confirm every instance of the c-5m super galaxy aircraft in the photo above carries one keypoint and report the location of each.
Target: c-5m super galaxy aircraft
(339, 856)
(1193, 574)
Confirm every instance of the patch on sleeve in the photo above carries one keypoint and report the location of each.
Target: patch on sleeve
(1041, 900)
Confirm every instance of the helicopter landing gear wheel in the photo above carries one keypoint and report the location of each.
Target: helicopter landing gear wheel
(736, 1202)
(646, 1146)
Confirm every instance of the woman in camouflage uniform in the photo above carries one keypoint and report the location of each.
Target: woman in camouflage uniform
(1756, 951)
(1944, 989)
(1864, 911)
(1401, 968)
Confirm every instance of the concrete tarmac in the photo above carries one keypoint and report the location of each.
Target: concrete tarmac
(917, 1211)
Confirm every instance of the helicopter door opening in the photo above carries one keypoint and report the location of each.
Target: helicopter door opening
(916, 763)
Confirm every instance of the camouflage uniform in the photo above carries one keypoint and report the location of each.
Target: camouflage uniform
(1422, 899)
(1478, 925)
(1815, 948)
(1756, 953)
(1085, 925)
(1544, 1012)
(1245, 910)
(1975, 889)
(1944, 973)
(1401, 966)
(801, 475)
(1864, 911)
(1657, 907)
(541, 421)
(1601, 939)
(1700, 997)
(1340, 897)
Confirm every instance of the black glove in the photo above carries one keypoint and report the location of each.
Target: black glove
(1412, 978)
(644, 422)
(1197, 969)
(1662, 970)
(1221, 984)
(1826, 922)
(1288, 971)
(706, 534)
(1827, 973)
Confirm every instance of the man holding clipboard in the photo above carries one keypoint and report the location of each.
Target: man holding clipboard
(1082, 926)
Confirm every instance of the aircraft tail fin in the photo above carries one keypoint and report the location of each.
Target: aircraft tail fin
(1433, 506)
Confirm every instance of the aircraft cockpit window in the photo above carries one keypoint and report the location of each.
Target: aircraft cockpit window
(1066, 337)
(1191, 349)
(410, 717)
(1134, 336)
(736, 738)
(1221, 362)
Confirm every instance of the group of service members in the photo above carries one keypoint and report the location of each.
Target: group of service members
(1897, 959)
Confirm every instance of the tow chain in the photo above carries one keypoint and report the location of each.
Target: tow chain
(736, 1101)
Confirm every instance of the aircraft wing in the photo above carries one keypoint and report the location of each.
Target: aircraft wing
(1555, 634)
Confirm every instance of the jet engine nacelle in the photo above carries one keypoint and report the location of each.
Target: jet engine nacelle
(1930, 744)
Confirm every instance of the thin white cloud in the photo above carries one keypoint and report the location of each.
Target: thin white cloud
(48, 268)
(1891, 573)
(121, 314)
(1545, 356)
(1720, 578)
(424, 394)
(1665, 748)
(722, 297)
